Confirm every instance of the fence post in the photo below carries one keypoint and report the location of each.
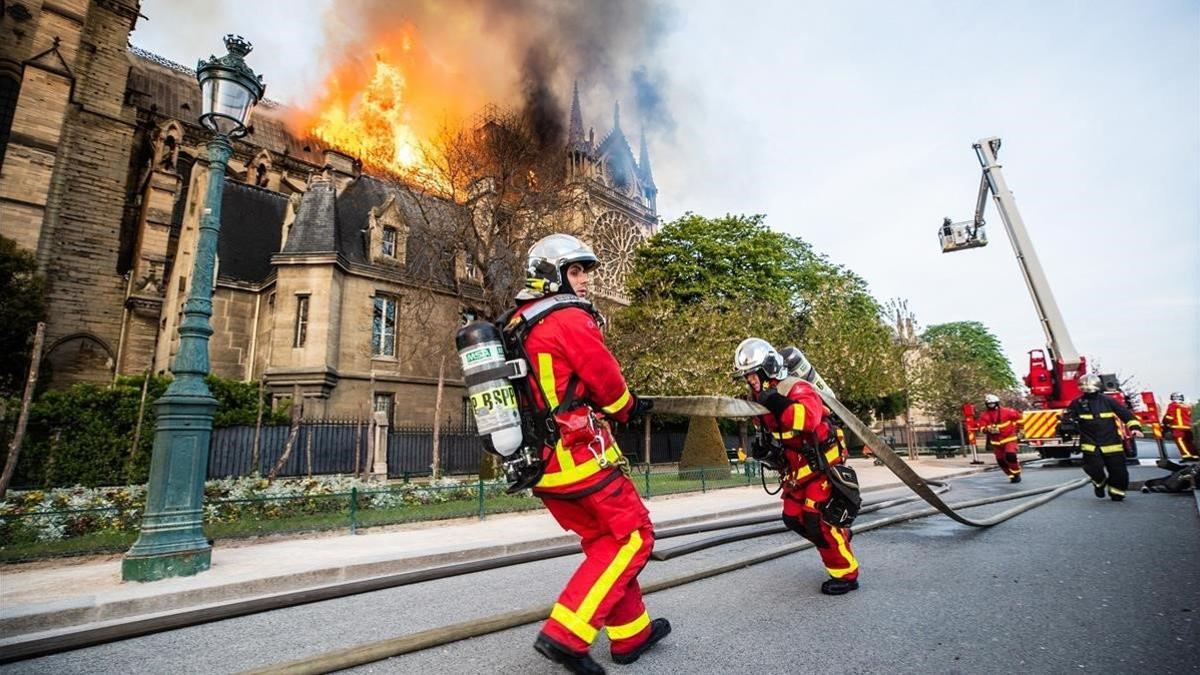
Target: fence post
(647, 480)
(379, 467)
(353, 510)
(703, 483)
(481, 497)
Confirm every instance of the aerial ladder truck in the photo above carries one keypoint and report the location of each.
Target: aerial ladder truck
(1053, 372)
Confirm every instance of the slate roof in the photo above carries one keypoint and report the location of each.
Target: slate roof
(251, 219)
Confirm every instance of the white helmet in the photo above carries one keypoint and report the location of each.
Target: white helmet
(1089, 384)
(1177, 397)
(991, 400)
(546, 266)
(755, 355)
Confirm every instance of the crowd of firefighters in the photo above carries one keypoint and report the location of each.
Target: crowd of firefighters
(586, 487)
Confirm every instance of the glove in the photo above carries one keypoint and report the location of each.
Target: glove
(641, 406)
(770, 455)
(1136, 433)
(772, 400)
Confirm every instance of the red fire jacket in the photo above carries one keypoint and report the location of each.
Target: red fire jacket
(1005, 421)
(568, 343)
(1178, 417)
(804, 420)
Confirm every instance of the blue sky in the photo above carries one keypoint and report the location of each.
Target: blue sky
(850, 124)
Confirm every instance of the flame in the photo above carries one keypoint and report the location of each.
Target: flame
(387, 109)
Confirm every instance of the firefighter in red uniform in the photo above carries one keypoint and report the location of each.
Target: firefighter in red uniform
(1000, 424)
(801, 438)
(584, 487)
(1179, 420)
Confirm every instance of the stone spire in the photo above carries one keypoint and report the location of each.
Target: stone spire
(575, 132)
(644, 162)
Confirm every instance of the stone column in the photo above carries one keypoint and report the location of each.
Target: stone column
(379, 467)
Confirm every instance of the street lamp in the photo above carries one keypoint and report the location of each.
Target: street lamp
(172, 542)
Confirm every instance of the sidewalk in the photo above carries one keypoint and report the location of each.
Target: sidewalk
(56, 594)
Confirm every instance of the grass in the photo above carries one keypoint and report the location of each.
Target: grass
(334, 513)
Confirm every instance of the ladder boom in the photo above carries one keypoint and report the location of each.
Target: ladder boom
(1057, 337)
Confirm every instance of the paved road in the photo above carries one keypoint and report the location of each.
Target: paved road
(1079, 584)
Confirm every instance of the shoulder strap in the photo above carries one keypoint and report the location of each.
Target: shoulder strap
(785, 385)
(525, 318)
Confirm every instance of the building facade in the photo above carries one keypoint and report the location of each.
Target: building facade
(330, 281)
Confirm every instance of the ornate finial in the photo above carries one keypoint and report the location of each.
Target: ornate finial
(236, 44)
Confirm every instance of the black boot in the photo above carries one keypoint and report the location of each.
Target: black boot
(1015, 478)
(582, 664)
(1099, 490)
(838, 587)
(659, 629)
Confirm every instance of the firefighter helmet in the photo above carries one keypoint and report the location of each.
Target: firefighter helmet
(1177, 397)
(755, 355)
(991, 401)
(1089, 384)
(546, 266)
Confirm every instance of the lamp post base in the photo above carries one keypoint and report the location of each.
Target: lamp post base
(164, 565)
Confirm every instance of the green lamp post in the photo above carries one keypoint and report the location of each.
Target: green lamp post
(172, 541)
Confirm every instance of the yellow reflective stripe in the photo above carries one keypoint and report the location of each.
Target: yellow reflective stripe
(546, 378)
(1002, 441)
(584, 630)
(630, 629)
(784, 435)
(1108, 414)
(1134, 422)
(577, 473)
(618, 404)
(845, 551)
(806, 470)
(600, 589)
(810, 503)
(1114, 491)
(566, 461)
(798, 413)
(1086, 416)
(1109, 449)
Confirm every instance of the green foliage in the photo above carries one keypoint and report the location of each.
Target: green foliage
(22, 306)
(960, 361)
(84, 435)
(702, 285)
(704, 449)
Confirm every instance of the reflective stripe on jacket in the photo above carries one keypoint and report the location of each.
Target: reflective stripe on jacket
(1100, 421)
(804, 421)
(1006, 419)
(567, 346)
(1178, 416)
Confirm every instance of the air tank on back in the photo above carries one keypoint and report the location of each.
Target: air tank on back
(493, 399)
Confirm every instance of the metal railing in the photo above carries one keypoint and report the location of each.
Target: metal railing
(63, 532)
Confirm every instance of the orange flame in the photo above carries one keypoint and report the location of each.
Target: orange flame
(388, 109)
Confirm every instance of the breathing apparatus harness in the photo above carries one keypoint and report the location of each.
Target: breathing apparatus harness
(846, 500)
(543, 428)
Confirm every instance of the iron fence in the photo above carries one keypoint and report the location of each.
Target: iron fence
(321, 447)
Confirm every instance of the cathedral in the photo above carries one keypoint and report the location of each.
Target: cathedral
(103, 169)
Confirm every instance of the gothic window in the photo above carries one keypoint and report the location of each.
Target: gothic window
(388, 245)
(260, 175)
(168, 146)
(9, 88)
(383, 327)
(385, 402)
(300, 332)
(616, 238)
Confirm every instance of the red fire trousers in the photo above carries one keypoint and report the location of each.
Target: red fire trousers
(617, 537)
(1006, 457)
(1183, 440)
(802, 504)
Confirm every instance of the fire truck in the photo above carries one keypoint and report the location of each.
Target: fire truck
(1053, 371)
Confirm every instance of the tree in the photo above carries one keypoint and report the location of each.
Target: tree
(702, 285)
(22, 306)
(958, 362)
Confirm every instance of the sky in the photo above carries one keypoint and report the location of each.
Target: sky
(851, 124)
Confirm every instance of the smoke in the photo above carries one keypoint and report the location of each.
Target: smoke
(517, 53)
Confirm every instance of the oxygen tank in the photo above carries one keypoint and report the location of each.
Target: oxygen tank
(800, 367)
(493, 399)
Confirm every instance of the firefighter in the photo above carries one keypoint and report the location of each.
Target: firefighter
(1179, 420)
(799, 438)
(1001, 424)
(578, 384)
(1099, 419)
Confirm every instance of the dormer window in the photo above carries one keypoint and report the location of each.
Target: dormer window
(388, 243)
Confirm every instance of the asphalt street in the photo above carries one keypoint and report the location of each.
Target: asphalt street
(1078, 584)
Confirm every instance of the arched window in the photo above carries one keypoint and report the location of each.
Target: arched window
(260, 175)
(10, 87)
